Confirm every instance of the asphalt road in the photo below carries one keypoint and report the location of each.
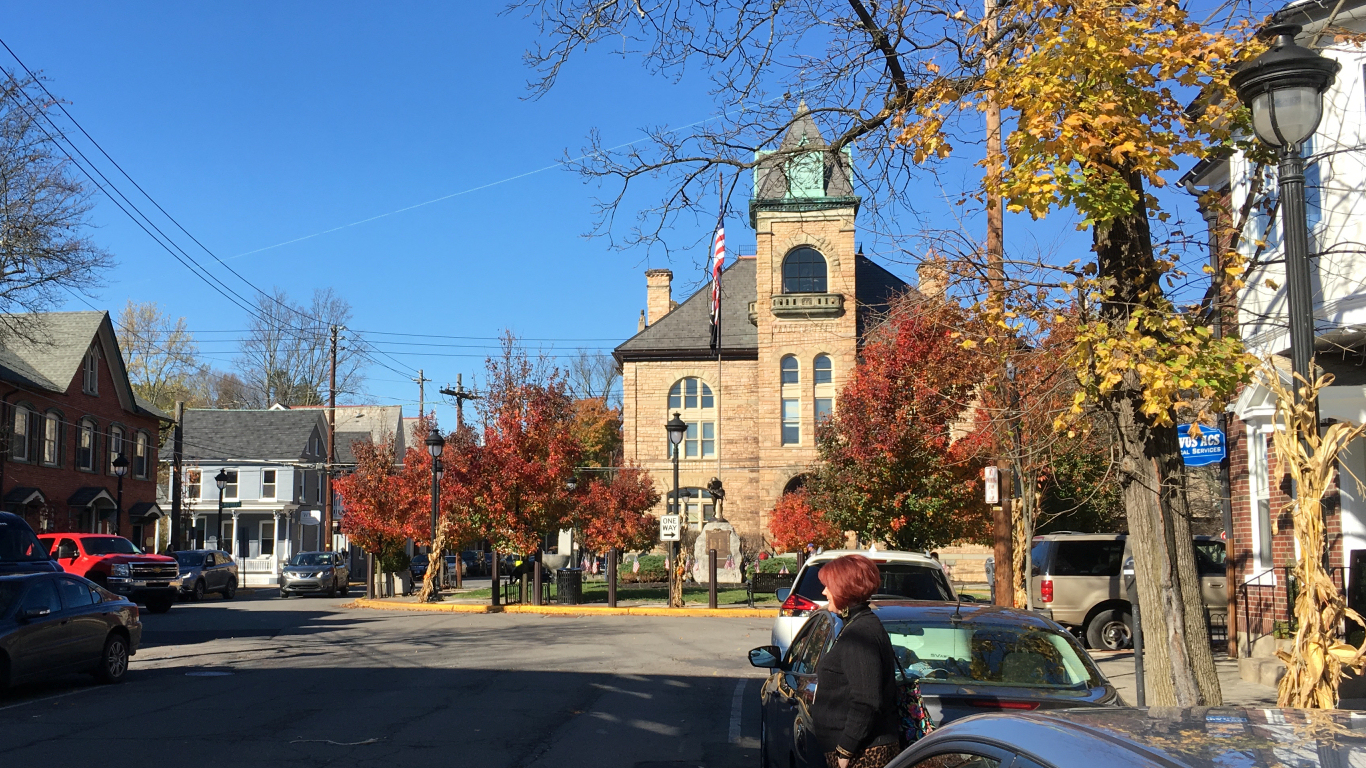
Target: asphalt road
(260, 681)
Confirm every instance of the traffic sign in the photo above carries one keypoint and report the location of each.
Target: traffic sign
(1209, 448)
(231, 504)
(670, 527)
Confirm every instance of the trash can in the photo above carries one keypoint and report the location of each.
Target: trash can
(569, 585)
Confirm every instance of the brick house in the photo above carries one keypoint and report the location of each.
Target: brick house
(1260, 491)
(70, 411)
(793, 319)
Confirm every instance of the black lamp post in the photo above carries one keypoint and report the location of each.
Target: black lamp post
(221, 479)
(435, 445)
(1284, 89)
(677, 428)
(120, 464)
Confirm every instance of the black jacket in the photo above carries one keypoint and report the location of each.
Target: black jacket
(855, 705)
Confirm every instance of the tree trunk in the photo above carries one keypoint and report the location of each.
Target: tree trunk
(1178, 662)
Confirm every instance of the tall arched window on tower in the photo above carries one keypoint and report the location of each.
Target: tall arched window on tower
(804, 271)
(823, 377)
(791, 401)
(693, 400)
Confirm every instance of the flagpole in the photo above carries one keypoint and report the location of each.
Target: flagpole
(720, 217)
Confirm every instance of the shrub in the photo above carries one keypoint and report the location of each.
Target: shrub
(651, 571)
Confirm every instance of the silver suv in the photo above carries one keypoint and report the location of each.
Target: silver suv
(1076, 581)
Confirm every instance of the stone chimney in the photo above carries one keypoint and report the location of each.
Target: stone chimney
(658, 294)
(640, 326)
(932, 276)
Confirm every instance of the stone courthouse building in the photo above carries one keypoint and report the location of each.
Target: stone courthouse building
(793, 318)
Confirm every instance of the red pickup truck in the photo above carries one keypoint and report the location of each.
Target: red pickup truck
(116, 564)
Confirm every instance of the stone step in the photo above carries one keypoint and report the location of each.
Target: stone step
(1262, 670)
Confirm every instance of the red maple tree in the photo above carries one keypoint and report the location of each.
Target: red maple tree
(794, 523)
(378, 513)
(613, 511)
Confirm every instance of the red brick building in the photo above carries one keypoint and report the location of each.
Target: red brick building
(69, 411)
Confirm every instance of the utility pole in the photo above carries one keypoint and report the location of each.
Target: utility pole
(1003, 517)
(177, 455)
(421, 392)
(461, 395)
(331, 443)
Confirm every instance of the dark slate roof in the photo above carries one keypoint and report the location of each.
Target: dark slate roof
(144, 509)
(228, 435)
(52, 361)
(876, 289)
(344, 440)
(24, 494)
(88, 494)
(686, 331)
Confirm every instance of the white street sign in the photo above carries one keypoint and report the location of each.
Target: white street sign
(992, 481)
(670, 527)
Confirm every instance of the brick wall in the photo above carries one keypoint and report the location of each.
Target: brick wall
(58, 483)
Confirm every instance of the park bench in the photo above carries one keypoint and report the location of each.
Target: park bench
(767, 583)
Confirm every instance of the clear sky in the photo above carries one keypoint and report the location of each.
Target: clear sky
(256, 124)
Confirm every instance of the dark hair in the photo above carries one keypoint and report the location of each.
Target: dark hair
(851, 579)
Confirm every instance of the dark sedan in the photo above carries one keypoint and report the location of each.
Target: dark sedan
(55, 623)
(967, 659)
(1202, 737)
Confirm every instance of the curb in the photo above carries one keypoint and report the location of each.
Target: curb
(567, 610)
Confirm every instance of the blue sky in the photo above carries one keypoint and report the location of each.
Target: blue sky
(255, 124)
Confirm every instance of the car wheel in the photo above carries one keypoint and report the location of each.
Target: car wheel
(332, 590)
(345, 588)
(763, 743)
(198, 593)
(231, 591)
(1110, 631)
(114, 661)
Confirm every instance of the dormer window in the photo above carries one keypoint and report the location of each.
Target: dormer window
(91, 382)
(804, 271)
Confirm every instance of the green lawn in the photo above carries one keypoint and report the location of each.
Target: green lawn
(596, 592)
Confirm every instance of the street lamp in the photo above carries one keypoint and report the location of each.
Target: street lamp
(676, 428)
(435, 445)
(221, 479)
(120, 464)
(1284, 89)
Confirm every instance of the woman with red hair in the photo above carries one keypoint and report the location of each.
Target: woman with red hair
(855, 712)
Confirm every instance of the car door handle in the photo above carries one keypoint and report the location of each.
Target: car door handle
(1216, 583)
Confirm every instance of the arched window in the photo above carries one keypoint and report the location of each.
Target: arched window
(116, 446)
(18, 446)
(140, 456)
(804, 271)
(824, 377)
(823, 374)
(698, 506)
(695, 404)
(791, 373)
(85, 446)
(52, 438)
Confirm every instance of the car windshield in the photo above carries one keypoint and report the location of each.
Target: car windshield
(9, 592)
(311, 558)
(992, 654)
(19, 545)
(110, 545)
(903, 580)
(189, 558)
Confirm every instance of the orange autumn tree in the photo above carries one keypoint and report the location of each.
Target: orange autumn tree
(794, 523)
(380, 515)
(613, 511)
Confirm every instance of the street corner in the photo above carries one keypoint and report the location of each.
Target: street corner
(561, 610)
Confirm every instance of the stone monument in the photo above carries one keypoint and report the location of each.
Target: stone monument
(720, 536)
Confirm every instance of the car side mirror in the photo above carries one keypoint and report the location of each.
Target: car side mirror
(766, 656)
(783, 593)
(35, 613)
(966, 598)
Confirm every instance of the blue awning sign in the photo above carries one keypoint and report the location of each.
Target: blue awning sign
(1209, 448)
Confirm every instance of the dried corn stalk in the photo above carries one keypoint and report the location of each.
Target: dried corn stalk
(1316, 661)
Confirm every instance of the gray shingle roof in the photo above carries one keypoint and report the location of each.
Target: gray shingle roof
(686, 331)
(51, 362)
(876, 289)
(225, 435)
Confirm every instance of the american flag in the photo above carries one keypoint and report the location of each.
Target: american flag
(718, 261)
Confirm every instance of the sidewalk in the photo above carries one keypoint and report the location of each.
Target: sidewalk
(624, 608)
(1118, 666)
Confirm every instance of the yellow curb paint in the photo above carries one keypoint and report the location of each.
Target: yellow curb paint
(570, 610)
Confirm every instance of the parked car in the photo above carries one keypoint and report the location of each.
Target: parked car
(905, 576)
(1201, 737)
(324, 572)
(118, 565)
(20, 549)
(207, 570)
(966, 658)
(418, 567)
(1076, 581)
(475, 563)
(55, 623)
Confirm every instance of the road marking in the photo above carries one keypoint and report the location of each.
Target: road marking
(48, 698)
(736, 702)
